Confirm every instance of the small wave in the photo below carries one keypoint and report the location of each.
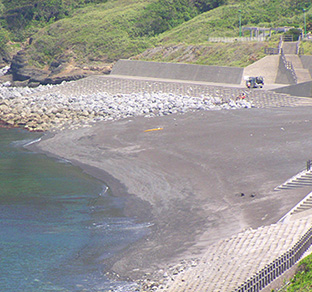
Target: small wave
(63, 161)
(131, 287)
(32, 142)
(137, 226)
(25, 143)
(121, 225)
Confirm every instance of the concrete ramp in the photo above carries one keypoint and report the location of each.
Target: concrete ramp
(216, 74)
(266, 67)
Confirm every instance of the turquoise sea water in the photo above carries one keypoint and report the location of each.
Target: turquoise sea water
(57, 224)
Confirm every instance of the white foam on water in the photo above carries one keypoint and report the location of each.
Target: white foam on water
(25, 142)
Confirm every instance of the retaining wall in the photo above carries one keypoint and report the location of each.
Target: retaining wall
(216, 74)
(302, 89)
(272, 271)
(307, 62)
(283, 76)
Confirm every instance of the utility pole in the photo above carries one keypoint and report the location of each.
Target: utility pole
(305, 24)
(240, 22)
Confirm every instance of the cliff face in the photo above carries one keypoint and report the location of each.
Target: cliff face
(5, 58)
(23, 74)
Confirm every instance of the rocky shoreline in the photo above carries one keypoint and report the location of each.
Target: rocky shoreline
(44, 108)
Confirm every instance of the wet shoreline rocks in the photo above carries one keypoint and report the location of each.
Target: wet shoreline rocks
(44, 108)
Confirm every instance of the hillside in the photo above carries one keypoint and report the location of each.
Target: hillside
(77, 37)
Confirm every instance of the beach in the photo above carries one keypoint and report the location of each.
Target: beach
(195, 177)
(194, 164)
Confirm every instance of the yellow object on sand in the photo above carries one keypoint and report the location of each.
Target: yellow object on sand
(155, 129)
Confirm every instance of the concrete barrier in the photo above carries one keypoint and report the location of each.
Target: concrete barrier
(302, 89)
(307, 62)
(216, 74)
(284, 75)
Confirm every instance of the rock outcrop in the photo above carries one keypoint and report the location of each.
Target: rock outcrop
(5, 58)
(23, 74)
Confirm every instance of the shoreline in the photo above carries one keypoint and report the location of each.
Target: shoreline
(175, 173)
(194, 169)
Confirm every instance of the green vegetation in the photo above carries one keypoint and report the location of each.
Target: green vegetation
(162, 15)
(218, 54)
(307, 47)
(103, 31)
(302, 281)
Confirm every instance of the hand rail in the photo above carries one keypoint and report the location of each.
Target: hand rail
(289, 66)
(276, 268)
(271, 51)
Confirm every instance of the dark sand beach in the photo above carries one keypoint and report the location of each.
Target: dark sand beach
(197, 178)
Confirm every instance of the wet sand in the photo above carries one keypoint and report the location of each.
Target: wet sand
(201, 177)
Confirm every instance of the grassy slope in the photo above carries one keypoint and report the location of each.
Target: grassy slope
(224, 22)
(102, 32)
(106, 32)
(221, 54)
(302, 281)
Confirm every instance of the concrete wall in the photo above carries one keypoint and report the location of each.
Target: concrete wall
(307, 63)
(283, 75)
(217, 74)
(301, 89)
(266, 67)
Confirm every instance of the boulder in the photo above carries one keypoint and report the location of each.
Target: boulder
(63, 69)
(21, 71)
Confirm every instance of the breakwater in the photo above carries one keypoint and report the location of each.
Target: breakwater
(82, 102)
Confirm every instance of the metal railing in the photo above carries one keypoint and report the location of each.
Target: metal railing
(271, 51)
(288, 37)
(301, 51)
(298, 46)
(236, 39)
(272, 271)
(289, 66)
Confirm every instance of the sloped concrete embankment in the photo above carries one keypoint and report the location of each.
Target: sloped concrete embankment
(249, 261)
(302, 89)
(217, 74)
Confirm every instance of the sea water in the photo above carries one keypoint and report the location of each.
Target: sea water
(57, 224)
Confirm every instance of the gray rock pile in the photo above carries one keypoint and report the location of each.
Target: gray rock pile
(44, 108)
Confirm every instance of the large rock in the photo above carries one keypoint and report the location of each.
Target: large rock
(60, 70)
(5, 58)
(21, 71)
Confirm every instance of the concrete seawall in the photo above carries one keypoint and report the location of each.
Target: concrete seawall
(302, 89)
(217, 74)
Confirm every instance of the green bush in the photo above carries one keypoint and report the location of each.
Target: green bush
(162, 15)
(294, 33)
(302, 281)
(4, 38)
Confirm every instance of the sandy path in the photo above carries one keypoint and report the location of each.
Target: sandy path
(187, 178)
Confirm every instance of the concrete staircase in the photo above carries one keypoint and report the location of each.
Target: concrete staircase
(303, 75)
(268, 66)
(290, 51)
(302, 179)
(289, 48)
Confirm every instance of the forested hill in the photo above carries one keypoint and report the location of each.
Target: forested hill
(58, 36)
